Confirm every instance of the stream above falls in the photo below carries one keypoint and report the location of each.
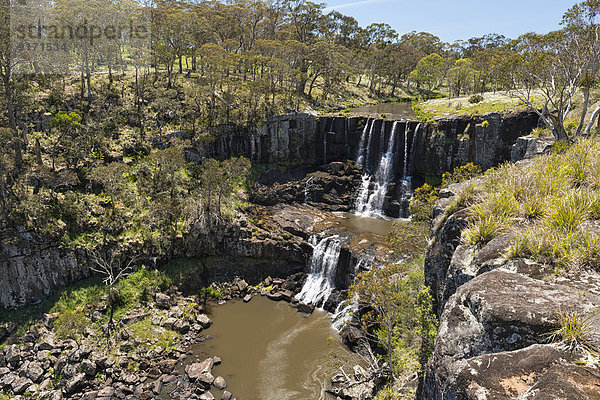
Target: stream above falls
(396, 110)
(270, 351)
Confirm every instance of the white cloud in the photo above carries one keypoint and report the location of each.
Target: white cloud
(353, 4)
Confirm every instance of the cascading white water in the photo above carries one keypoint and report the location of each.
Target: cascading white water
(370, 203)
(307, 189)
(411, 158)
(364, 138)
(323, 266)
(346, 309)
(331, 129)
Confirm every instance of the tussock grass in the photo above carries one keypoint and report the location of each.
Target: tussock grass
(576, 331)
(550, 207)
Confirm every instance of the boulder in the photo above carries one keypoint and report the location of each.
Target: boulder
(75, 384)
(226, 395)
(20, 385)
(220, 383)
(306, 308)
(204, 321)
(163, 301)
(201, 372)
(207, 396)
(247, 298)
(106, 393)
(242, 285)
(88, 367)
(276, 296)
(35, 372)
(287, 295)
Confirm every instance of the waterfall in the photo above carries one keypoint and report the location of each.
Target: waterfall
(368, 129)
(346, 309)
(323, 267)
(307, 189)
(405, 169)
(371, 203)
(413, 149)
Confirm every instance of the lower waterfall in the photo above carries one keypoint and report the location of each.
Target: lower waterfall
(323, 266)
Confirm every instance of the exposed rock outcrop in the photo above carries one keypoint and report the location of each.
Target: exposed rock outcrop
(496, 318)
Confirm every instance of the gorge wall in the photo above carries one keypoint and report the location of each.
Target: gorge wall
(435, 147)
(34, 268)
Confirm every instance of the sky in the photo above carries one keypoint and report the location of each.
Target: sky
(454, 20)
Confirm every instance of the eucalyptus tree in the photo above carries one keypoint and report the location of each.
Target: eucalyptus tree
(582, 21)
(545, 73)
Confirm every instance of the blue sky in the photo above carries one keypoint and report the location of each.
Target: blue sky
(458, 19)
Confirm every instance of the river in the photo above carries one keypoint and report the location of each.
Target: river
(272, 352)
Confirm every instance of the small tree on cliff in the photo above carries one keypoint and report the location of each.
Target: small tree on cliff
(400, 317)
(112, 267)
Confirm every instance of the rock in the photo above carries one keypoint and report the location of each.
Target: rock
(287, 295)
(163, 301)
(75, 384)
(35, 372)
(132, 318)
(47, 343)
(201, 372)
(226, 395)
(242, 285)
(362, 391)
(4, 371)
(276, 296)
(220, 383)
(20, 385)
(169, 323)
(203, 320)
(514, 375)
(247, 298)
(88, 367)
(216, 360)
(182, 326)
(106, 393)
(528, 147)
(306, 308)
(157, 387)
(207, 396)
(12, 354)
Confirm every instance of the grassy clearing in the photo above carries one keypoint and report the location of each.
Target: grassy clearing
(447, 107)
(551, 207)
(73, 304)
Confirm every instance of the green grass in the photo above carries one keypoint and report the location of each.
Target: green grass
(549, 207)
(575, 330)
(73, 303)
(447, 107)
(152, 336)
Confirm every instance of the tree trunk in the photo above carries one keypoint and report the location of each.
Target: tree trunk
(586, 100)
(12, 118)
(590, 124)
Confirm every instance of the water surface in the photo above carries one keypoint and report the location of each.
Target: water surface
(392, 110)
(272, 352)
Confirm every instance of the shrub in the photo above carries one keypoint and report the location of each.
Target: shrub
(461, 174)
(71, 325)
(476, 98)
(422, 202)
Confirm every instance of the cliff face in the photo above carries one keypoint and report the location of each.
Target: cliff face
(33, 268)
(496, 317)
